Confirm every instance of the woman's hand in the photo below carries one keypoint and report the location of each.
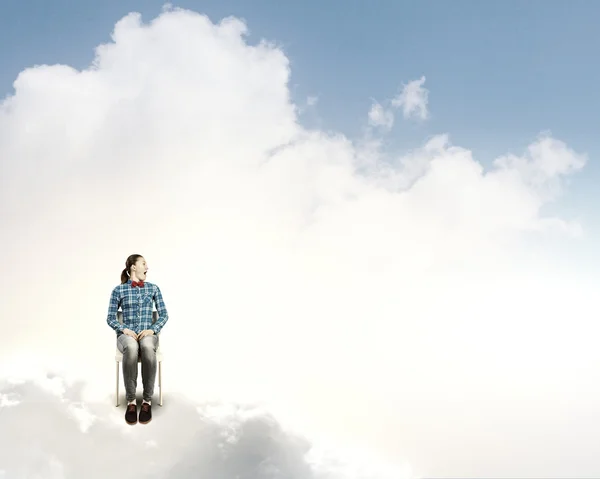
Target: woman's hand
(129, 332)
(145, 332)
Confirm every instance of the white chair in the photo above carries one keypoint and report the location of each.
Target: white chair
(159, 358)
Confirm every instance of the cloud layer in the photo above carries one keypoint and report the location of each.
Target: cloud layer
(302, 268)
(76, 439)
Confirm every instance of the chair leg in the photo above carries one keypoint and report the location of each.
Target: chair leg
(117, 392)
(160, 402)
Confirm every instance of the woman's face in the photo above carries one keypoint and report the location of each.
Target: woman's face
(140, 268)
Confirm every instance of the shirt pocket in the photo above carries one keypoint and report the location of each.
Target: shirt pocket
(147, 299)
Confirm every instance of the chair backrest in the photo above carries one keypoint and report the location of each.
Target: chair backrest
(120, 316)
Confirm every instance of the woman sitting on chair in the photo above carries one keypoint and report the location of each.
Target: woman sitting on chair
(137, 335)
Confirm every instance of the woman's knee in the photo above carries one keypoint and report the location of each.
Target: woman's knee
(148, 344)
(129, 345)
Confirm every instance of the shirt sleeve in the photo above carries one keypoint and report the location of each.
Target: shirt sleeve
(113, 306)
(163, 316)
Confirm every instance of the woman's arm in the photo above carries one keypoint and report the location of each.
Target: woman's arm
(163, 316)
(113, 307)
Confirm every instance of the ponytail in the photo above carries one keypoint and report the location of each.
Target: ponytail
(124, 276)
(128, 264)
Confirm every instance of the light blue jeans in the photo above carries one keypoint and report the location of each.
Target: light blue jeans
(132, 349)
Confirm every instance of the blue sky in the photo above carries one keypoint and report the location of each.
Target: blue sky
(498, 73)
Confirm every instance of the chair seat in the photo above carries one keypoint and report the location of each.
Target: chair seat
(119, 355)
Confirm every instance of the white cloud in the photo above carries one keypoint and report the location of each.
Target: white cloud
(380, 117)
(212, 440)
(542, 168)
(413, 100)
(361, 299)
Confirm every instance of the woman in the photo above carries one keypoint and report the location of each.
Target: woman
(137, 335)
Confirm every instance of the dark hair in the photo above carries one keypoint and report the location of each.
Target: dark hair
(128, 264)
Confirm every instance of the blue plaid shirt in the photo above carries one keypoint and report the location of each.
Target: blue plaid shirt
(136, 304)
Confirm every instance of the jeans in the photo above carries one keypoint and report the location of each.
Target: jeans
(131, 348)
